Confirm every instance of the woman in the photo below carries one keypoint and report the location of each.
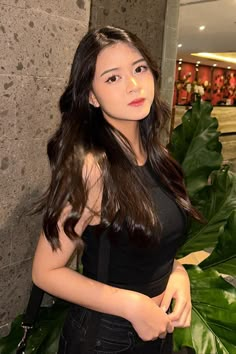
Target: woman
(110, 172)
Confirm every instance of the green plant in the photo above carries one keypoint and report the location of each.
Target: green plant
(43, 338)
(212, 189)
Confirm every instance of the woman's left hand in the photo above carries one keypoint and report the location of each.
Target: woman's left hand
(178, 288)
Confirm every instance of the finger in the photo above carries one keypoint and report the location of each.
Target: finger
(179, 317)
(185, 318)
(154, 339)
(170, 327)
(162, 335)
(178, 324)
(179, 308)
(189, 318)
(166, 301)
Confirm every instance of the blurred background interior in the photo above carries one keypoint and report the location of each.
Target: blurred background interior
(206, 64)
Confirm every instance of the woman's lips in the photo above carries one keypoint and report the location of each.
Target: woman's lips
(137, 102)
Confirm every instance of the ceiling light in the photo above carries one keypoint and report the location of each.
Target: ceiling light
(180, 59)
(198, 62)
(216, 56)
(229, 67)
(179, 45)
(201, 28)
(179, 68)
(214, 64)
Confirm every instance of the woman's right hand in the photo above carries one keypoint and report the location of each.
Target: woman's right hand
(148, 319)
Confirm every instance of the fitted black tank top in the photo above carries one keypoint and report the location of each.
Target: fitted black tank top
(144, 269)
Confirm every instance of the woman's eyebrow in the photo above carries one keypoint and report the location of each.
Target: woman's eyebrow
(113, 69)
(138, 61)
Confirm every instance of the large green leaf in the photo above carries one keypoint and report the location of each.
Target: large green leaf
(195, 144)
(213, 324)
(43, 339)
(216, 202)
(45, 335)
(223, 257)
(9, 343)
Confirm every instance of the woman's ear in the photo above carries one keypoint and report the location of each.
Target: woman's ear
(92, 100)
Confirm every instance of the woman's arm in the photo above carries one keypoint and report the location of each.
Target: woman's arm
(51, 274)
(49, 267)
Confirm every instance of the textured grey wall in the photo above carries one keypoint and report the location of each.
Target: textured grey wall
(154, 21)
(169, 50)
(37, 43)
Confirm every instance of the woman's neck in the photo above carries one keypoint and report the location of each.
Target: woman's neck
(130, 129)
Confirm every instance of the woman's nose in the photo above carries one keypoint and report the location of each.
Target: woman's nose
(132, 84)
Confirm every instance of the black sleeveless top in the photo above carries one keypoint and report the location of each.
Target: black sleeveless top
(143, 269)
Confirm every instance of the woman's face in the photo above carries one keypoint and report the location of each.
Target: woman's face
(123, 84)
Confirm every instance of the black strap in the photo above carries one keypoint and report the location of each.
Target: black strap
(102, 276)
(30, 316)
(33, 306)
(36, 297)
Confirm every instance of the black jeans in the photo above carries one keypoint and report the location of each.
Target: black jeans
(113, 335)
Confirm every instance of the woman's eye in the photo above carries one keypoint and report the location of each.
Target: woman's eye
(141, 68)
(112, 79)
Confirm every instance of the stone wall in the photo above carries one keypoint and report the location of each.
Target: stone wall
(38, 40)
(169, 50)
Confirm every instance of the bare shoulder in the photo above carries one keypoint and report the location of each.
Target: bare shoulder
(92, 176)
(91, 170)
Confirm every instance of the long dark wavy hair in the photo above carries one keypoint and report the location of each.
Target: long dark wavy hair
(84, 130)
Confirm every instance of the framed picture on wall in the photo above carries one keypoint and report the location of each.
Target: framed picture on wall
(186, 77)
(204, 79)
(216, 85)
